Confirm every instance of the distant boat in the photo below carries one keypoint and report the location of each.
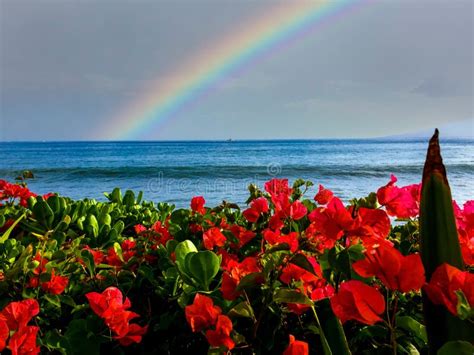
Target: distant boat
(229, 140)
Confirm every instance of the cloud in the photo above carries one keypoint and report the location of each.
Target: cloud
(442, 87)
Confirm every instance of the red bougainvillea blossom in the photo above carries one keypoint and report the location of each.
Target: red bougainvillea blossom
(24, 341)
(397, 272)
(128, 251)
(98, 255)
(274, 238)
(158, 233)
(111, 307)
(197, 204)
(370, 226)
(9, 191)
(296, 347)
(314, 285)
(332, 220)
(357, 301)
(465, 224)
(401, 202)
(204, 315)
(444, 283)
(323, 196)
(256, 209)
(14, 320)
(213, 237)
(221, 335)
(243, 235)
(56, 285)
(280, 194)
(234, 272)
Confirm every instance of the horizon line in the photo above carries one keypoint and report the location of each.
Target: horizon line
(232, 140)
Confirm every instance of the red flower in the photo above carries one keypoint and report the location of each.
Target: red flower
(221, 335)
(242, 234)
(197, 204)
(296, 347)
(297, 210)
(465, 225)
(110, 298)
(4, 333)
(34, 281)
(314, 286)
(134, 335)
(139, 228)
(358, 301)
(18, 314)
(15, 191)
(161, 233)
(257, 207)
(118, 320)
(401, 202)
(98, 255)
(397, 272)
(24, 341)
(333, 220)
(371, 226)
(274, 238)
(234, 272)
(323, 196)
(128, 251)
(202, 313)
(213, 237)
(14, 318)
(277, 187)
(444, 283)
(56, 284)
(110, 306)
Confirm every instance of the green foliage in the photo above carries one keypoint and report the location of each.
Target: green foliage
(439, 244)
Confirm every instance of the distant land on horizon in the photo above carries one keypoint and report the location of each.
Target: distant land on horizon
(457, 130)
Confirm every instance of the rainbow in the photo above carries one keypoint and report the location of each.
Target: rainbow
(191, 80)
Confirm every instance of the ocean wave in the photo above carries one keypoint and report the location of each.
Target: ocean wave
(232, 171)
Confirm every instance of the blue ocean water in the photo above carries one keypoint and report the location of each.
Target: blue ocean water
(176, 171)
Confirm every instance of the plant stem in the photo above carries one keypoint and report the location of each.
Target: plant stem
(326, 348)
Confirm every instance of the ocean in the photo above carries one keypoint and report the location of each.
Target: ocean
(221, 170)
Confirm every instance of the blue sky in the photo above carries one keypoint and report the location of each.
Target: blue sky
(386, 68)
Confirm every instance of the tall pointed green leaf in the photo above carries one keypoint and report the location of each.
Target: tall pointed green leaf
(439, 244)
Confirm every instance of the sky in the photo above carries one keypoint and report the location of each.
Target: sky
(70, 69)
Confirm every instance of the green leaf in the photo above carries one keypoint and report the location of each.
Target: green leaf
(413, 327)
(80, 338)
(43, 213)
(457, 347)
(52, 340)
(118, 251)
(181, 250)
(129, 199)
(243, 309)
(286, 295)
(115, 196)
(332, 329)
(92, 226)
(53, 299)
(7, 233)
(250, 280)
(439, 244)
(463, 307)
(88, 259)
(302, 261)
(203, 266)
